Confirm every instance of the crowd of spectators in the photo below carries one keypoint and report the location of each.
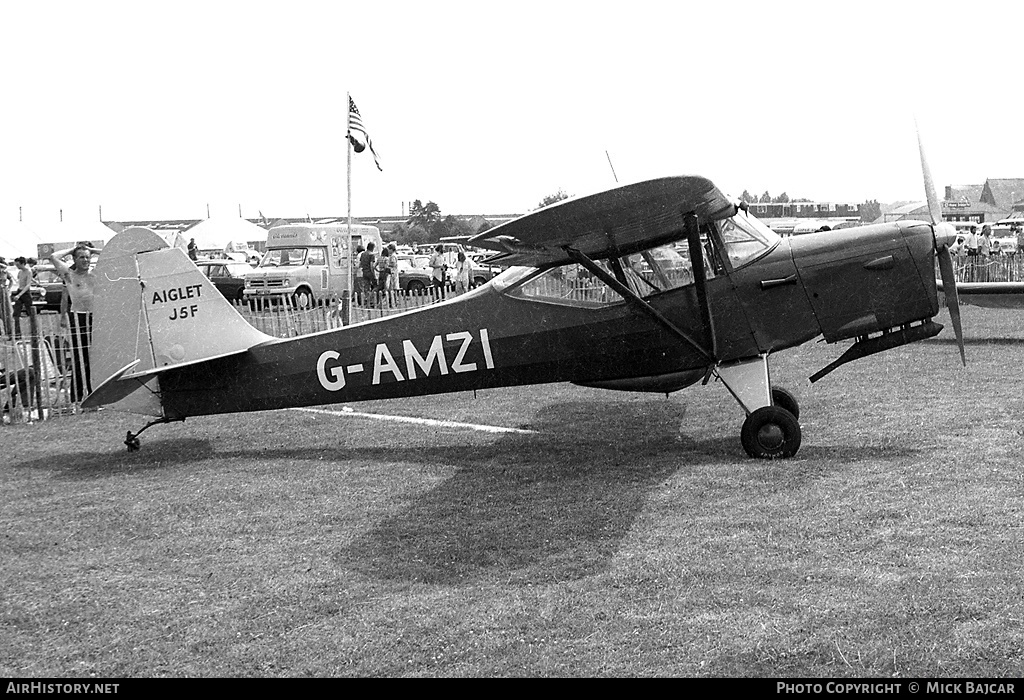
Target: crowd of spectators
(17, 280)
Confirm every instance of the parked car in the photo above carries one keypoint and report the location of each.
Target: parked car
(38, 293)
(414, 272)
(50, 280)
(1006, 245)
(228, 276)
(481, 274)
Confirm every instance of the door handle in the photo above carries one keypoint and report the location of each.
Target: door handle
(768, 284)
(883, 263)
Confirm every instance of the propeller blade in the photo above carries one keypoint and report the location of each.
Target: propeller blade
(934, 205)
(944, 234)
(952, 298)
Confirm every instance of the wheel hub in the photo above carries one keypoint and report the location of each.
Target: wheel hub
(770, 436)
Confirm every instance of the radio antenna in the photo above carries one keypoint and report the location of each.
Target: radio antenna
(611, 166)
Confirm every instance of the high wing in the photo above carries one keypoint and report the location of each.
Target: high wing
(608, 224)
(990, 295)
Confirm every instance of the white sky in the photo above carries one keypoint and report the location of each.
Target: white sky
(154, 110)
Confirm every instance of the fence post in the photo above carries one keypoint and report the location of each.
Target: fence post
(7, 390)
(37, 363)
(6, 313)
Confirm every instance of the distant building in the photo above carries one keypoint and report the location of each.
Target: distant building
(1003, 194)
(992, 201)
(805, 210)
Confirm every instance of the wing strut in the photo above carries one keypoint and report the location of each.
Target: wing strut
(636, 302)
(700, 278)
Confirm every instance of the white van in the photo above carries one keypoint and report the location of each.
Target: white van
(308, 262)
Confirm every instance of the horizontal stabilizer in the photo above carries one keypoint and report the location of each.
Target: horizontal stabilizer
(121, 389)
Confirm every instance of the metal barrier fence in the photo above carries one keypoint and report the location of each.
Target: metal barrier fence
(989, 268)
(43, 374)
(280, 317)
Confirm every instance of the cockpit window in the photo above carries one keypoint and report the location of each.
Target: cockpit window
(649, 272)
(572, 284)
(646, 273)
(745, 238)
(658, 269)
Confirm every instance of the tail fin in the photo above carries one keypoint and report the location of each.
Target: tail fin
(155, 310)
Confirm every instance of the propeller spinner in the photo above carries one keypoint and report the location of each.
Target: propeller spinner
(945, 236)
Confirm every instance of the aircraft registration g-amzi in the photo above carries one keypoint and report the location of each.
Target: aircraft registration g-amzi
(648, 287)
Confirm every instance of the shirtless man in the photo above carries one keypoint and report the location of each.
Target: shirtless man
(81, 287)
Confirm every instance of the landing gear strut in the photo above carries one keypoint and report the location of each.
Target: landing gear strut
(132, 439)
(771, 429)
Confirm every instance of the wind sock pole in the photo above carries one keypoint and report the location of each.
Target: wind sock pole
(346, 297)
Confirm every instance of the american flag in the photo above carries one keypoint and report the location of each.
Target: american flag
(357, 135)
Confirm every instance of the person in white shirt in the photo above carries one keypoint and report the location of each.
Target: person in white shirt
(462, 273)
(971, 242)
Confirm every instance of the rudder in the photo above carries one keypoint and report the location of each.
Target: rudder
(154, 305)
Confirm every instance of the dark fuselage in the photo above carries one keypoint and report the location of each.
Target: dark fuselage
(841, 284)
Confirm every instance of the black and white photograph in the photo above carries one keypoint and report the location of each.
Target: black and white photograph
(531, 340)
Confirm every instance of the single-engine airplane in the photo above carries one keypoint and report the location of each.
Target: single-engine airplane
(652, 286)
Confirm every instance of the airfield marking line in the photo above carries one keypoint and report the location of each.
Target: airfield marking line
(419, 421)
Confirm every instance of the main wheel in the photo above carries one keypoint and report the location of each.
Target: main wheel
(415, 286)
(771, 432)
(786, 400)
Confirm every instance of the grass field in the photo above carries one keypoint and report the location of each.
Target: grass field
(629, 536)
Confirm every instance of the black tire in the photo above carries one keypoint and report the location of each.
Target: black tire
(303, 299)
(477, 281)
(415, 286)
(771, 432)
(786, 400)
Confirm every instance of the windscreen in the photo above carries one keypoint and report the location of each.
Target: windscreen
(745, 238)
(284, 257)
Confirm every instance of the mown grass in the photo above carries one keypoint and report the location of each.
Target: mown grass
(630, 536)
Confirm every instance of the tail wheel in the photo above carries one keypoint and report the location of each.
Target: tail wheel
(786, 400)
(771, 432)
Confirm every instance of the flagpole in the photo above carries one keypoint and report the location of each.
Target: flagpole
(348, 183)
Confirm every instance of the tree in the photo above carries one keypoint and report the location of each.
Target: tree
(765, 198)
(747, 197)
(870, 211)
(404, 234)
(552, 198)
(450, 226)
(424, 215)
(781, 199)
